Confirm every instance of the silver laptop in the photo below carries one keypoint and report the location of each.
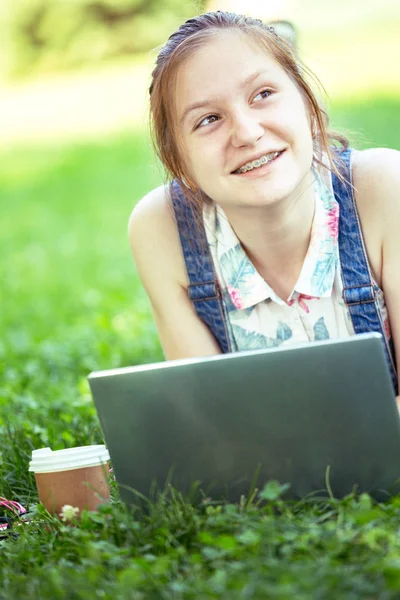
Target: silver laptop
(320, 417)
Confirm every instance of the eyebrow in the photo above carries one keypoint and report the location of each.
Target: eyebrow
(203, 103)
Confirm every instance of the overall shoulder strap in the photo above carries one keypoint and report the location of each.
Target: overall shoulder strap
(203, 289)
(358, 287)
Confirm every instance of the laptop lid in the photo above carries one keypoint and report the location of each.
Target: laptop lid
(292, 414)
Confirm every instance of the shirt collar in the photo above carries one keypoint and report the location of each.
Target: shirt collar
(244, 285)
(318, 271)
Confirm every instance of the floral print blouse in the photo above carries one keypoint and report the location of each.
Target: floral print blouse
(315, 310)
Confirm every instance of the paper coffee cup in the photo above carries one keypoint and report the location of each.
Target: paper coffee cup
(75, 476)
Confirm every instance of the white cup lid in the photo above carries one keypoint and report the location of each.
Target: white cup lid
(41, 451)
(45, 460)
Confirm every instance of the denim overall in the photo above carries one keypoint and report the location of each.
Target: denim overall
(358, 288)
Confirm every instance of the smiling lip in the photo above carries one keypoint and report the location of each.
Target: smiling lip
(255, 158)
(260, 169)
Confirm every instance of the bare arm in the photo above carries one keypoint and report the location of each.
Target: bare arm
(378, 182)
(391, 251)
(156, 249)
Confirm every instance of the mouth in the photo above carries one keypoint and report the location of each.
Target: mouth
(257, 163)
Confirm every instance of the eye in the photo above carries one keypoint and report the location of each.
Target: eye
(262, 95)
(209, 120)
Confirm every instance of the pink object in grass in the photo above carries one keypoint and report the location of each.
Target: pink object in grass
(15, 507)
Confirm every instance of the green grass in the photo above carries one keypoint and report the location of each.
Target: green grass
(369, 122)
(71, 302)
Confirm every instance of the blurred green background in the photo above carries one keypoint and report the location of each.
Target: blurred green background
(75, 156)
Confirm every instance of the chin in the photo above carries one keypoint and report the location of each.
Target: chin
(268, 196)
(264, 201)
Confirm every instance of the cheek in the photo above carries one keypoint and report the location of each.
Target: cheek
(203, 158)
(304, 135)
(193, 165)
(307, 122)
(189, 160)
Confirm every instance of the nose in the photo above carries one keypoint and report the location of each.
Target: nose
(246, 128)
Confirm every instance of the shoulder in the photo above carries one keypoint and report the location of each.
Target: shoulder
(376, 174)
(153, 207)
(376, 180)
(152, 216)
(153, 235)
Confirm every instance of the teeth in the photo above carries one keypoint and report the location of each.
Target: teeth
(257, 163)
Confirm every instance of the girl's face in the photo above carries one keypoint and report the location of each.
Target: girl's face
(244, 124)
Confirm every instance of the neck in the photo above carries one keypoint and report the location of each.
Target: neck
(276, 238)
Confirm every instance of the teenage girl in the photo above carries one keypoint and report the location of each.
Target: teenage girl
(272, 231)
